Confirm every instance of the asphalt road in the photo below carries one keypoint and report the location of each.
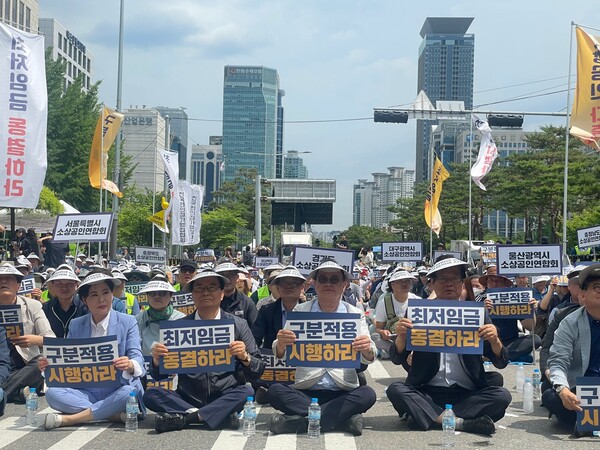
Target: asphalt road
(383, 430)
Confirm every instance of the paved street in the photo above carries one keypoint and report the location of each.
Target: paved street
(383, 430)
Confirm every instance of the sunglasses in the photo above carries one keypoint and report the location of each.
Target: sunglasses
(158, 294)
(328, 280)
(187, 270)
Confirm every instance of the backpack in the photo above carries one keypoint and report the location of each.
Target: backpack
(390, 314)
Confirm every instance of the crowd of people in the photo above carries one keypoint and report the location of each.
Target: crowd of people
(82, 298)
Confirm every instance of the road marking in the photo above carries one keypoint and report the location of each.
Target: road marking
(80, 437)
(279, 441)
(232, 439)
(14, 428)
(376, 370)
(340, 440)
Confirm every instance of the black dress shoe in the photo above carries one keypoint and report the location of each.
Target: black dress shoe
(282, 423)
(261, 396)
(479, 425)
(169, 422)
(354, 425)
(580, 434)
(232, 422)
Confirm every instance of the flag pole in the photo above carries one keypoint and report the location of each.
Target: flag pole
(101, 150)
(566, 174)
(470, 190)
(431, 165)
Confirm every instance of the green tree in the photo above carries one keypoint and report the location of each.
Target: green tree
(360, 236)
(49, 202)
(134, 226)
(219, 227)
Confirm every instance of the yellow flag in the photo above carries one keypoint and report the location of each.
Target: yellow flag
(107, 128)
(585, 115)
(158, 220)
(432, 214)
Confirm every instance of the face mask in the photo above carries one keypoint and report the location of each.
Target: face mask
(477, 291)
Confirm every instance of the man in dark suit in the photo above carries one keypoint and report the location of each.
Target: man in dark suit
(212, 399)
(271, 317)
(436, 379)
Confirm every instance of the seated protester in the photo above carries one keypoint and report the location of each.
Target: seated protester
(575, 351)
(437, 379)
(574, 290)
(64, 304)
(274, 292)
(420, 287)
(24, 350)
(508, 330)
(271, 318)
(341, 398)
(353, 294)
(4, 367)
(132, 307)
(159, 294)
(234, 302)
(392, 307)
(213, 399)
(93, 404)
(187, 271)
(244, 282)
(263, 291)
(552, 297)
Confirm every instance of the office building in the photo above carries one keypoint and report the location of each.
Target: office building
(445, 72)
(178, 129)
(20, 14)
(371, 198)
(251, 107)
(206, 166)
(293, 166)
(143, 134)
(66, 47)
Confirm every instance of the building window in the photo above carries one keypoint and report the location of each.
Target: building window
(28, 18)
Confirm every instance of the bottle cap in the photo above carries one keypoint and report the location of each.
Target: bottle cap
(133, 394)
(32, 390)
(536, 370)
(448, 406)
(314, 400)
(250, 399)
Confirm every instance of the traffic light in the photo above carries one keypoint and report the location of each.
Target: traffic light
(505, 120)
(390, 116)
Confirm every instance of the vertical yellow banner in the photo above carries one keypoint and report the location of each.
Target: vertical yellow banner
(107, 128)
(432, 214)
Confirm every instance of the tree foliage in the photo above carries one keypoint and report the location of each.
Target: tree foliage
(362, 236)
(49, 202)
(219, 227)
(134, 228)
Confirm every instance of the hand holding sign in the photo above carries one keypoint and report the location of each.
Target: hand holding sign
(238, 349)
(284, 338)
(158, 351)
(570, 400)
(123, 363)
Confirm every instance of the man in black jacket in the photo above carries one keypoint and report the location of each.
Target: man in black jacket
(436, 379)
(234, 302)
(64, 304)
(212, 398)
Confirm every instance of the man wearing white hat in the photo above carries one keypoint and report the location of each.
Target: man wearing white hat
(212, 399)
(234, 301)
(392, 306)
(25, 350)
(435, 379)
(341, 397)
(64, 305)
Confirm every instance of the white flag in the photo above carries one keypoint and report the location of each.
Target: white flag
(170, 161)
(23, 117)
(487, 152)
(186, 214)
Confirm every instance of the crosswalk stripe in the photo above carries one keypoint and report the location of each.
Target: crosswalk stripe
(80, 437)
(340, 440)
(14, 428)
(232, 439)
(376, 370)
(279, 441)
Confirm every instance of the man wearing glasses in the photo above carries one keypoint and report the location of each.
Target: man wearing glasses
(575, 351)
(341, 398)
(436, 379)
(210, 399)
(234, 302)
(187, 270)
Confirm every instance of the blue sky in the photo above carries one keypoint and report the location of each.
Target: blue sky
(337, 59)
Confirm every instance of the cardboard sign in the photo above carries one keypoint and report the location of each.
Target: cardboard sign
(515, 260)
(510, 303)
(307, 259)
(401, 251)
(150, 255)
(588, 237)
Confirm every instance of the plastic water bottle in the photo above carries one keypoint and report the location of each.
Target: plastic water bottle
(32, 404)
(314, 419)
(520, 378)
(249, 417)
(536, 381)
(131, 411)
(527, 396)
(448, 427)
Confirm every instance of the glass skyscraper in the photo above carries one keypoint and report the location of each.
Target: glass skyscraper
(446, 59)
(251, 113)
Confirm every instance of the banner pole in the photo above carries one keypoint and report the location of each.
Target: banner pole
(566, 174)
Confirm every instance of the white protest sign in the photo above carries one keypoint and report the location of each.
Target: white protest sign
(265, 261)
(87, 227)
(588, 237)
(307, 259)
(401, 251)
(438, 253)
(515, 260)
(150, 255)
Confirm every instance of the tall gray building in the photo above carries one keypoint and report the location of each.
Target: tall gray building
(20, 14)
(251, 108)
(178, 130)
(446, 61)
(293, 166)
